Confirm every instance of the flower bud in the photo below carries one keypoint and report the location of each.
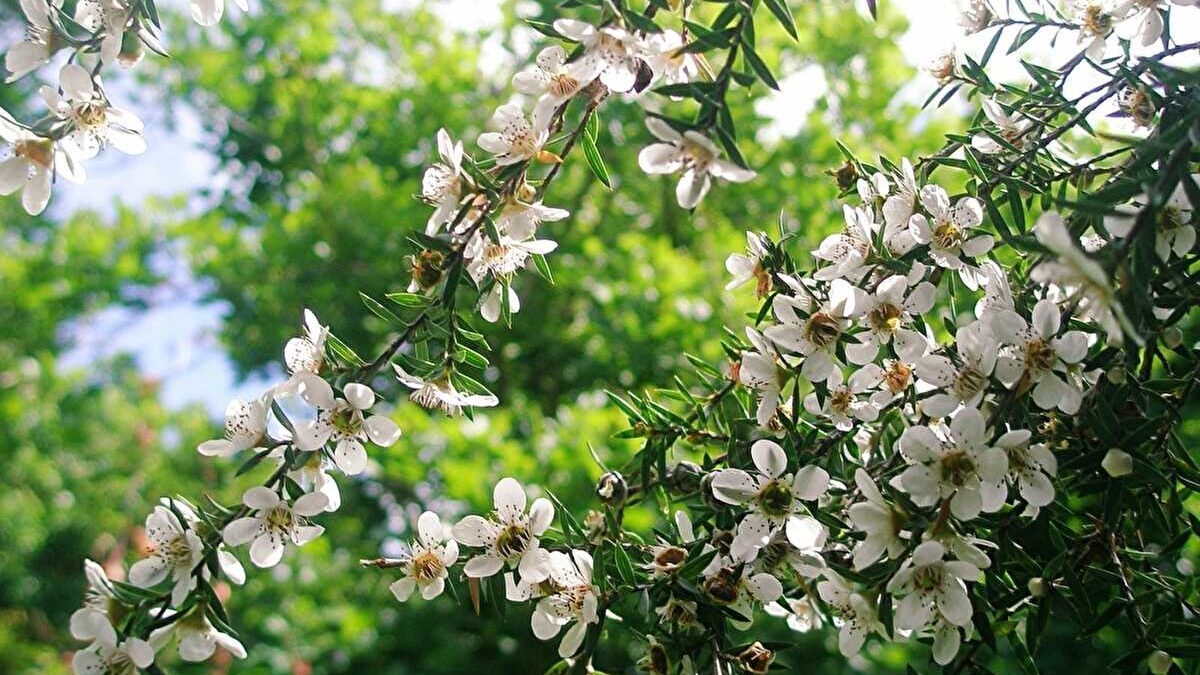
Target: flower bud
(685, 477)
(1038, 587)
(595, 525)
(1159, 662)
(611, 489)
(756, 659)
(1117, 463)
(1172, 337)
(706, 493)
(526, 193)
(1116, 375)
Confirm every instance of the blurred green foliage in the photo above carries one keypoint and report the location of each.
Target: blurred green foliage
(322, 116)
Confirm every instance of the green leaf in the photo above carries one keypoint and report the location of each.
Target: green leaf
(782, 12)
(592, 154)
(760, 68)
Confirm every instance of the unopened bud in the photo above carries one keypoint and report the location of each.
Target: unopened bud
(526, 193)
(547, 157)
(1116, 375)
(1038, 587)
(1159, 662)
(1117, 463)
(1172, 337)
(756, 659)
(612, 489)
(685, 477)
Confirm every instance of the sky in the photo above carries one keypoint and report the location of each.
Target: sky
(174, 341)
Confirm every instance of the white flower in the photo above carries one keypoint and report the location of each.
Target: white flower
(874, 188)
(106, 657)
(1012, 127)
(514, 139)
(1040, 355)
(728, 581)
(898, 209)
(108, 18)
(966, 382)
(1095, 19)
(554, 81)
(694, 154)
(847, 250)
(975, 15)
(1082, 277)
(879, 520)
(1174, 233)
(841, 404)
(929, 585)
(948, 236)
(568, 597)
(94, 123)
(1030, 468)
(342, 421)
(760, 370)
(815, 334)
(176, 551)
(198, 638)
(440, 394)
(997, 294)
(427, 563)
(1117, 463)
(667, 58)
(1142, 20)
(509, 536)
(40, 39)
(33, 163)
(91, 622)
(519, 220)
(442, 183)
(313, 476)
(610, 52)
(275, 522)
(887, 313)
(853, 613)
(245, 427)
(775, 500)
(801, 613)
(958, 464)
(504, 258)
(748, 265)
(209, 12)
(306, 354)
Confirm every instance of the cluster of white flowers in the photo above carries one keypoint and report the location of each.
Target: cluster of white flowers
(82, 121)
(863, 334)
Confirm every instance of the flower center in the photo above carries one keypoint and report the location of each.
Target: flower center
(840, 400)
(969, 382)
(427, 566)
(512, 541)
(280, 519)
(563, 85)
(90, 115)
(1039, 356)
(1095, 21)
(775, 499)
(522, 141)
(897, 375)
(885, 317)
(957, 467)
(176, 551)
(39, 152)
(504, 260)
(670, 558)
(928, 579)
(348, 421)
(947, 235)
(822, 329)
